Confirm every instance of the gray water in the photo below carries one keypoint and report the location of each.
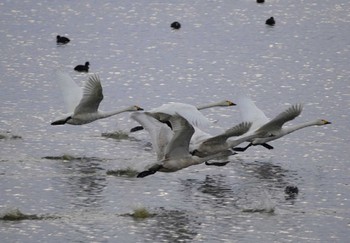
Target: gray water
(59, 177)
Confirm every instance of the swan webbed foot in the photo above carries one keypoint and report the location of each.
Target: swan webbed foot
(217, 163)
(61, 122)
(137, 128)
(268, 146)
(242, 149)
(151, 171)
(146, 173)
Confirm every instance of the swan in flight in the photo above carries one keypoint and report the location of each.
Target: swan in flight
(171, 145)
(189, 112)
(273, 129)
(82, 104)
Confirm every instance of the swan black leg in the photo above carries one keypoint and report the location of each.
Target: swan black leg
(217, 163)
(240, 149)
(265, 145)
(137, 128)
(149, 172)
(146, 173)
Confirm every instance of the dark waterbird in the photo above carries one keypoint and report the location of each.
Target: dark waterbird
(61, 40)
(291, 192)
(175, 25)
(82, 68)
(270, 21)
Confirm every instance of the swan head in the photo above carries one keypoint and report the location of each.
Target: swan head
(323, 122)
(87, 64)
(226, 103)
(135, 108)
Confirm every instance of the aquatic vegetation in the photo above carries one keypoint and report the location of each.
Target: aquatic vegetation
(68, 157)
(62, 157)
(116, 135)
(15, 214)
(128, 172)
(9, 135)
(140, 213)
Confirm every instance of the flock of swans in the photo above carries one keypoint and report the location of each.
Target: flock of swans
(174, 128)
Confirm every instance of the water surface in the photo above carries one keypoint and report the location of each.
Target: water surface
(60, 174)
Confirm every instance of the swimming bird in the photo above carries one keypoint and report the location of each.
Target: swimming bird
(82, 68)
(175, 25)
(61, 40)
(273, 129)
(270, 21)
(189, 112)
(83, 104)
(174, 155)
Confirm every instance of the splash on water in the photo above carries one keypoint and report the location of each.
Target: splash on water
(265, 205)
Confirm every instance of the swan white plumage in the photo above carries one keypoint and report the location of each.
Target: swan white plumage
(173, 154)
(189, 112)
(273, 129)
(83, 104)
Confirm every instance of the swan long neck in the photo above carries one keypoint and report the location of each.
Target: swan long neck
(105, 114)
(202, 107)
(290, 129)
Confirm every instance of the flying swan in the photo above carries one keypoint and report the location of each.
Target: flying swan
(189, 112)
(273, 129)
(171, 145)
(82, 104)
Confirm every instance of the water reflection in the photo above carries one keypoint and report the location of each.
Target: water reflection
(82, 179)
(172, 226)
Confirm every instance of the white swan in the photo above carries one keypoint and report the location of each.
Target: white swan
(270, 130)
(189, 112)
(173, 154)
(83, 104)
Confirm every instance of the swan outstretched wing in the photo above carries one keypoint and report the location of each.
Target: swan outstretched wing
(160, 133)
(251, 113)
(71, 92)
(235, 131)
(178, 146)
(285, 116)
(189, 112)
(92, 96)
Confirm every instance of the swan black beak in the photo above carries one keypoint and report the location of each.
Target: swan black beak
(326, 122)
(139, 108)
(230, 103)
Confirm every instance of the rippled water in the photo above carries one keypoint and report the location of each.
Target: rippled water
(60, 184)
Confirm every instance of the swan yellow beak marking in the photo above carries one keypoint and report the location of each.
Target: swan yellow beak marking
(230, 103)
(326, 122)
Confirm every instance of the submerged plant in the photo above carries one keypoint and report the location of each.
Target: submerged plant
(128, 172)
(115, 135)
(140, 213)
